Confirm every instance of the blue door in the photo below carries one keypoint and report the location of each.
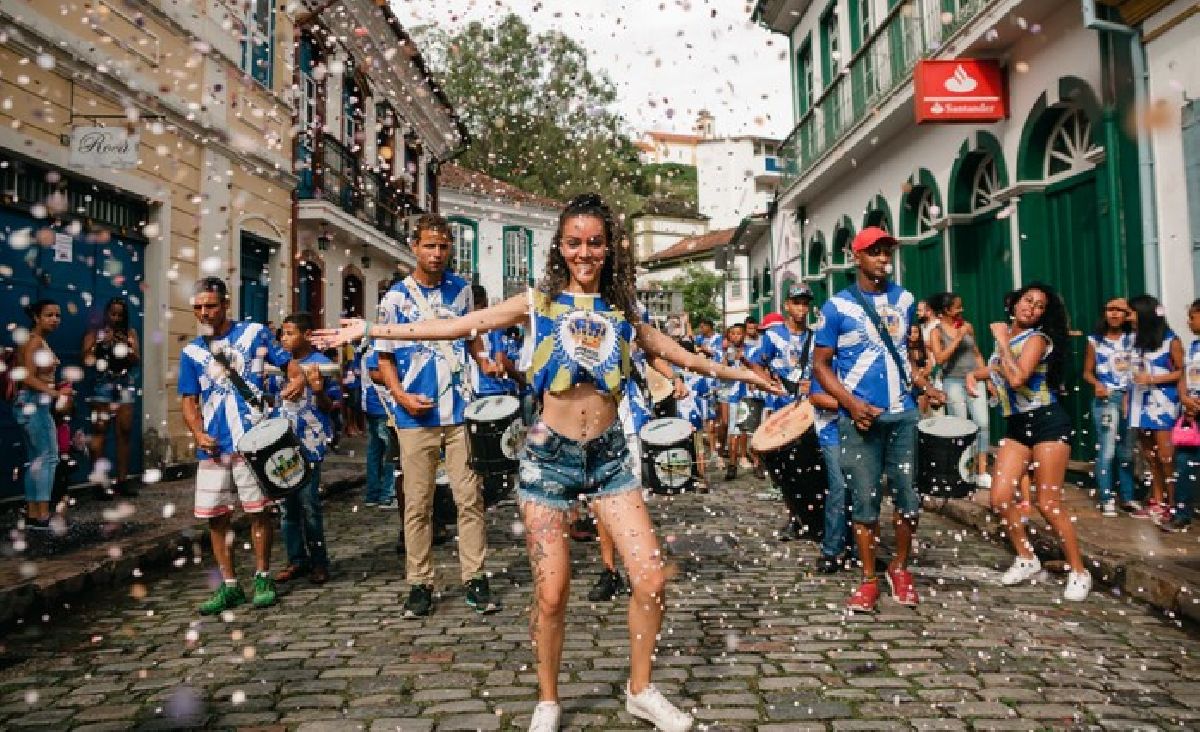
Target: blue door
(81, 273)
(253, 294)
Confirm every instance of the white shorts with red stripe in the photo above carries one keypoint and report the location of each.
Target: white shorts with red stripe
(223, 483)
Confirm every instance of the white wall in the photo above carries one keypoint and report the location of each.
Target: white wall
(725, 177)
(1173, 59)
(653, 234)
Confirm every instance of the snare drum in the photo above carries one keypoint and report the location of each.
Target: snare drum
(668, 455)
(751, 412)
(272, 450)
(946, 456)
(495, 435)
(786, 443)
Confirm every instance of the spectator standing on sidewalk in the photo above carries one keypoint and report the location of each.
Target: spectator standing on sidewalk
(1187, 459)
(1027, 372)
(1154, 401)
(38, 397)
(1107, 367)
(114, 352)
(954, 348)
(303, 522)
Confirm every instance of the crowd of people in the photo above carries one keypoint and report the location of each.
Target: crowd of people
(579, 360)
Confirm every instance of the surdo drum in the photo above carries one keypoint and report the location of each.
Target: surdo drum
(946, 456)
(495, 436)
(787, 445)
(272, 451)
(668, 455)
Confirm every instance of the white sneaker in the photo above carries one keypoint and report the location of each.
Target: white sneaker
(1022, 569)
(1079, 584)
(545, 717)
(653, 707)
(1109, 508)
(983, 480)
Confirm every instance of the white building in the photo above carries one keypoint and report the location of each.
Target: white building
(372, 131)
(661, 224)
(736, 177)
(701, 250)
(1051, 192)
(502, 234)
(668, 147)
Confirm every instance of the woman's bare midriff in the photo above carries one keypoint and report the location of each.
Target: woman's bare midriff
(580, 413)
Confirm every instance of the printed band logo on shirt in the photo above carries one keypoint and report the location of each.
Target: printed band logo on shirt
(588, 339)
(893, 320)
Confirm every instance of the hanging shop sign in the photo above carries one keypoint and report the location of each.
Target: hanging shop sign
(103, 147)
(960, 90)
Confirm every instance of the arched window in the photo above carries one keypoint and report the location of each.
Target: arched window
(842, 236)
(466, 236)
(985, 183)
(1070, 143)
(816, 256)
(927, 212)
(309, 281)
(352, 295)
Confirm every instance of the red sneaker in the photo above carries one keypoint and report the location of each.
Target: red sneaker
(901, 582)
(864, 598)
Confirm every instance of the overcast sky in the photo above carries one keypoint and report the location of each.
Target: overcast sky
(668, 59)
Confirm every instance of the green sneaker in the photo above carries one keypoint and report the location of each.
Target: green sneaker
(225, 597)
(264, 591)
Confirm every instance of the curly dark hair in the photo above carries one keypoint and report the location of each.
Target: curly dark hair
(617, 276)
(940, 302)
(1055, 324)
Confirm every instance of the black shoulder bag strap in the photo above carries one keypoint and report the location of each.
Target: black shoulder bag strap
(869, 309)
(806, 350)
(239, 384)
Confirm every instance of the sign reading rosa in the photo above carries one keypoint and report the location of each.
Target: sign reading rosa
(960, 90)
(103, 147)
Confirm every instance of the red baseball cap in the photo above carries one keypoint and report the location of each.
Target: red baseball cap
(771, 319)
(871, 236)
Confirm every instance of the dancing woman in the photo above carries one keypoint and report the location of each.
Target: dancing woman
(583, 320)
(1027, 371)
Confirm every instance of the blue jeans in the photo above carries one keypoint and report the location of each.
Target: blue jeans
(1112, 443)
(32, 412)
(557, 471)
(381, 476)
(837, 514)
(964, 406)
(304, 525)
(888, 448)
(1187, 472)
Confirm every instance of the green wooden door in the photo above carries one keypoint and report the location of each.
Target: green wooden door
(923, 267)
(1070, 261)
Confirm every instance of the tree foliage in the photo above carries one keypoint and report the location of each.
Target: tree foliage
(538, 117)
(701, 290)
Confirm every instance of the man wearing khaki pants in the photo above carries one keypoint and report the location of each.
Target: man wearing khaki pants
(428, 382)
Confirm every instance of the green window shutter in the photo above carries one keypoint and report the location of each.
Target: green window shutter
(529, 255)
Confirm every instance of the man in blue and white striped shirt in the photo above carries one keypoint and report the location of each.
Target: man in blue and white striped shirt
(429, 381)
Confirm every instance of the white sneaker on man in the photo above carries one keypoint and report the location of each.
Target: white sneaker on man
(1022, 569)
(1079, 584)
(653, 707)
(1109, 508)
(546, 716)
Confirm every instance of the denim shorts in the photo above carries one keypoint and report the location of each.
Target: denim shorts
(120, 390)
(1050, 423)
(557, 471)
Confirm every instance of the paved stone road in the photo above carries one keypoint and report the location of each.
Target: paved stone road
(753, 640)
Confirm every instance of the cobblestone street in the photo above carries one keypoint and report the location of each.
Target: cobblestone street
(752, 640)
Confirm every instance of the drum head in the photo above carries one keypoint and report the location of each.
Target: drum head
(660, 386)
(666, 431)
(948, 427)
(783, 427)
(263, 434)
(492, 408)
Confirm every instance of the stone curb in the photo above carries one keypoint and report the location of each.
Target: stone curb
(1133, 576)
(97, 570)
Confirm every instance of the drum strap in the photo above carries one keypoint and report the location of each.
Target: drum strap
(873, 315)
(255, 400)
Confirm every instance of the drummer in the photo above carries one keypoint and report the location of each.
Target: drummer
(729, 399)
(786, 353)
(862, 360)
(709, 343)
(503, 349)
(217, 410)
(584, 319)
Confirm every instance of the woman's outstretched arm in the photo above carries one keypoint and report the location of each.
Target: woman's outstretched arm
(657, 343)
(512, 311)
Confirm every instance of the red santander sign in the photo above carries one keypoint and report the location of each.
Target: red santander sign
(960, 90)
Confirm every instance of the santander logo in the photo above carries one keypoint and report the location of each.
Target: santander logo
(961, 82)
